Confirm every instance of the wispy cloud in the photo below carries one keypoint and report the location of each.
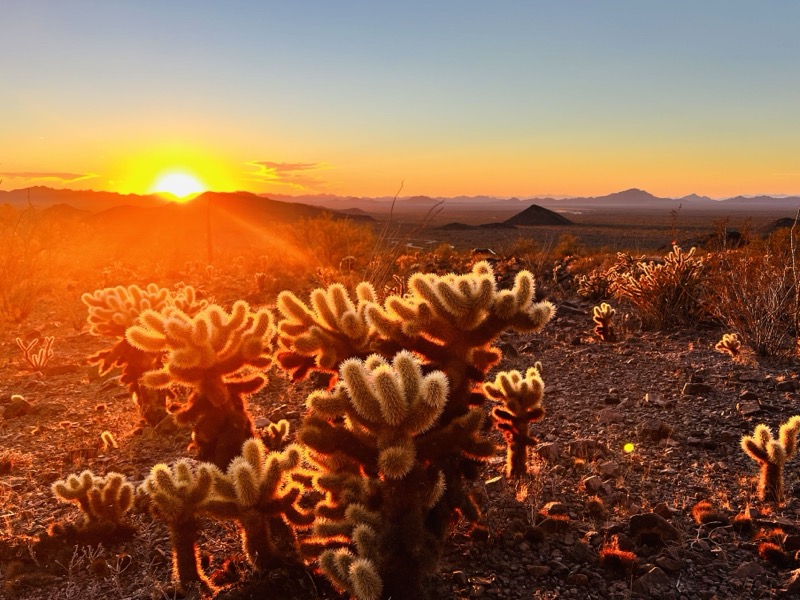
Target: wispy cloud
(295, 175)
(47, 176)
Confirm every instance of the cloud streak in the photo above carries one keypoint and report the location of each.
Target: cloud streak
(295, 175)
(48, 176)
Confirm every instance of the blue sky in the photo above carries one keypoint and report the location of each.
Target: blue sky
(506, 98)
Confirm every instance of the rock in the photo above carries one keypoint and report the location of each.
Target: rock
(611, 399)
(550, 451)
(662, 510)
(609, 415)
(608, 469)
(786, 386)
(654, 430)
(748, 409)
(696, 389)
(18, 408)
(460, 578)
(652, 529)
(748, 395)
(791, 543)
(538, 571)
(261, 422)
(586, 448)
(652, 584)
(747, 570)
(669, 564)
(592, 484)
(578, 579)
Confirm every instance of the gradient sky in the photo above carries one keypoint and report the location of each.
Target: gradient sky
(452, 97)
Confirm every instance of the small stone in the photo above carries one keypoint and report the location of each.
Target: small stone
(538, 571)
(669, 564)
(696, 389)
(608, 469)
(654, 430)
(592, 484)
(652, 584)
(748, 570)
(786, 386)
(18, 408)
(748, 409)
(550, 451)
(650, 527)
(587, 448)
(261, 422)
(748, 395)
(609, 415)
(460, 578)
(611, 399)
(579, 579)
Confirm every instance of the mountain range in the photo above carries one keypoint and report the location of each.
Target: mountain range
(361, 207)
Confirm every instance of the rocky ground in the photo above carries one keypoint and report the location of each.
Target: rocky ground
(590, 521)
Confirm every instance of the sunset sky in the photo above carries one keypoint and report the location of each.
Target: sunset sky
(452, 97)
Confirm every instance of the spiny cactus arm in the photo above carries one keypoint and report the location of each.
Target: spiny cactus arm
(113, 499)
(325, 333)
(756, 445)
(75, 488)
(355, 575)
(788, 435)
(329, 439)
(276, 434)
(112, 310)
(461, 437)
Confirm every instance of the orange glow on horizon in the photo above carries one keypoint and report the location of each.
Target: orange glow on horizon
(179, 184)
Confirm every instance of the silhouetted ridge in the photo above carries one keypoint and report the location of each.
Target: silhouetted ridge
(537, 215)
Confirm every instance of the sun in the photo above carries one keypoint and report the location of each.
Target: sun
(179, 184)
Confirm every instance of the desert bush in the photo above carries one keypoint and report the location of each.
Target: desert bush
(29, 258)
(752, 292)
(328, 240)
(663, 293)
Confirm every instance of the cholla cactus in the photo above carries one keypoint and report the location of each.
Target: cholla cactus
(322, 335)
(178, 497)
(521, 398)
(111, 312)
(771, 455)
(729, 344)
(275, 436)
(392, 431)
(104, 502)
(662, 292)
(354, 573)
(602, 316)
(221, 356)
(259, 492)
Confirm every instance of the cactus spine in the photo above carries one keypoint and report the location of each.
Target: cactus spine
(771, 455)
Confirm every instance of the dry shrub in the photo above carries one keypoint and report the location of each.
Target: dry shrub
(28, 260)
(752, 292)
(328, 241)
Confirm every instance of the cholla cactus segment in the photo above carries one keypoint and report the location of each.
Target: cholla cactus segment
(186, 299)
(179, 496)
(730, 344)
(603, 316)
(521, 398)
(102, 499)
(113, 310)
(258, 490)
(211, 344)
(179, 493)
(771, 455)
(393, 402)
(322, 334)
(275, 436)
(439, 306)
